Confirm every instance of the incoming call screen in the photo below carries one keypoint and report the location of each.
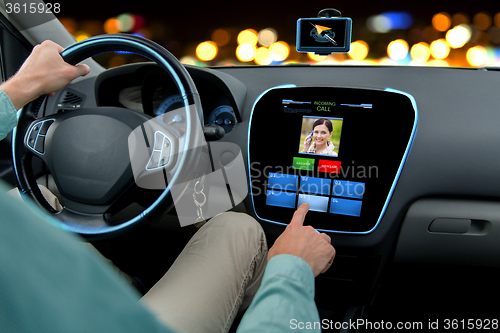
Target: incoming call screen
(340, 150)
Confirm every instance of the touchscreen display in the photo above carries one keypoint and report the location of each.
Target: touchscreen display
(340, 150)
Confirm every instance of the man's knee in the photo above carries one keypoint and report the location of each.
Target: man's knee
(237, 224)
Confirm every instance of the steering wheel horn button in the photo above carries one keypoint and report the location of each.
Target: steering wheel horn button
(35, 139)
(45, 126)
(40, 142)
(161, 152)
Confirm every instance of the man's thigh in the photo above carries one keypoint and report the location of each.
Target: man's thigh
(218, 271)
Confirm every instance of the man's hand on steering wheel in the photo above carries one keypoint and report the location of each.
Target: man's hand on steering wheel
(43, 72)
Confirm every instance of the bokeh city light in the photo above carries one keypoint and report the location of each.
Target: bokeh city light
(262, 56)
(221, 37)
(267, 36)
(245, 52)
(441, 21)
(420, 52)
(397, 49)
(477, 56)
(458, 36)
(279, 51)
(440, 49)
(248, 36)
(359, 50)
(206, 51)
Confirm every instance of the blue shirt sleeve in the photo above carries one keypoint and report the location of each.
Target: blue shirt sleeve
(285, 299)
(8, 115)
(51, 282)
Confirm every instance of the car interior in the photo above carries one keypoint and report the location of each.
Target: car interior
(409, 195)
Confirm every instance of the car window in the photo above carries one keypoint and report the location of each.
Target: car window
(443, 36)
(13, 51)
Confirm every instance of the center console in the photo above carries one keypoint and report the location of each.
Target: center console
(340, 150)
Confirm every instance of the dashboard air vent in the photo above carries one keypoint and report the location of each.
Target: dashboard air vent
(70, 100)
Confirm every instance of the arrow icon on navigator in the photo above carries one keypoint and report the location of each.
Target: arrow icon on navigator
(320, 28)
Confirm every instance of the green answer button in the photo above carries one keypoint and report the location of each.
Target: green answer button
(303, 163)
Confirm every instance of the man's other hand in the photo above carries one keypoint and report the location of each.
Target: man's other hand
(305, 242)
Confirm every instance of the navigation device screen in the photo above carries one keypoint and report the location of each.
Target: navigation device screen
(324, 35)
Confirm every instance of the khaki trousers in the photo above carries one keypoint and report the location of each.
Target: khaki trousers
(217, 273)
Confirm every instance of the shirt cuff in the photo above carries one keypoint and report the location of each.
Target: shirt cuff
(293, 267)
(8, 115)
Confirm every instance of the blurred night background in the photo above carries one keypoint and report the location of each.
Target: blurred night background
(223, 33)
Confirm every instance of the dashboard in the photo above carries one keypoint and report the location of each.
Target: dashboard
(431, 133)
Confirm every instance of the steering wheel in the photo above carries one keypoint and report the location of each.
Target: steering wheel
(87, 150)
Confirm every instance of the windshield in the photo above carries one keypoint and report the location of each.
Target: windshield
(252, 33)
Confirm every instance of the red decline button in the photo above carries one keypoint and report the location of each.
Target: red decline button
(329, 166)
